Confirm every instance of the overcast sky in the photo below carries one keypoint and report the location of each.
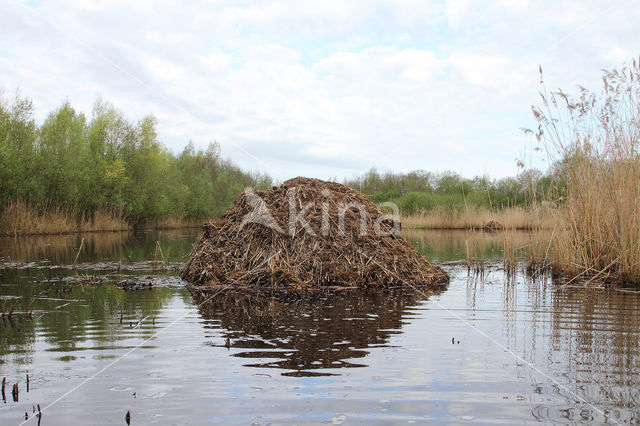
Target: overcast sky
(324, 88)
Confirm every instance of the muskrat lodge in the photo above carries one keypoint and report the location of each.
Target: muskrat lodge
(306, 236)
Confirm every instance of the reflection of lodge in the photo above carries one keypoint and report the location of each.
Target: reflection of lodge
(307, 334)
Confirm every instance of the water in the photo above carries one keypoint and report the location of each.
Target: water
(491, 348)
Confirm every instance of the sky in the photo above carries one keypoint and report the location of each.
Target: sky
(325, 89)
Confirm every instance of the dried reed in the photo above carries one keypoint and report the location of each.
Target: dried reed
(19, 218)
(594, 140)
(478, 217)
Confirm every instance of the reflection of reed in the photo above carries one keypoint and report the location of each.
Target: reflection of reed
(17, 335)
(587, 339)
(115, 246)
(457, 245)
(596, 338)
(61, 248)
(303, 335)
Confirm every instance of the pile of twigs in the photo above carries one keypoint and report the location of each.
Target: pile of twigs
(306, 235)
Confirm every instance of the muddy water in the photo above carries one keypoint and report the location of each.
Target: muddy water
(491, 348)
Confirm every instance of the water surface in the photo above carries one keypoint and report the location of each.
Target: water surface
(491, 348)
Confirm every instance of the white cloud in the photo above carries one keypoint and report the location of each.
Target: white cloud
(493, 72)
(326, 90)
(456, 11)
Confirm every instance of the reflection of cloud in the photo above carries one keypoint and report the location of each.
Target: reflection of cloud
(325, 90)
(456, 11)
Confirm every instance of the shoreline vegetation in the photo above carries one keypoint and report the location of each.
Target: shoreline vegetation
(596, 135)
(591, 237)
(72, 173)
(18, 219)
(106, 173)
(477, 218)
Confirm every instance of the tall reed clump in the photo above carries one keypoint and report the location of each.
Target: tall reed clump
(593, 139)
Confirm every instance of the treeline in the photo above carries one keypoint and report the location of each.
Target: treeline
(108, 163)
(423, 191)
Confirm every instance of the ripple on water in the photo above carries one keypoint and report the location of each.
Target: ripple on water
(364, 358)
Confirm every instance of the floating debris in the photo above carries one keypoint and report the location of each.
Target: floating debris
(130, 285)
(151, 266)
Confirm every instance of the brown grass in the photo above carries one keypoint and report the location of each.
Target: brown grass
(18, 218)
(597, 232)
(178, 223)
(478, 217)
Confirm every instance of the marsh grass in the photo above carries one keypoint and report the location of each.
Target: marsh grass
(476, 259)
(510, 252)
(477, 217)
(19, 218)
(594, 140)
(60, 248)
(178, 223)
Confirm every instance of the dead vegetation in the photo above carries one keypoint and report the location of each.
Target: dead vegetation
(594, 139)
(305, 235)
(473, 217)
(18, 218)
